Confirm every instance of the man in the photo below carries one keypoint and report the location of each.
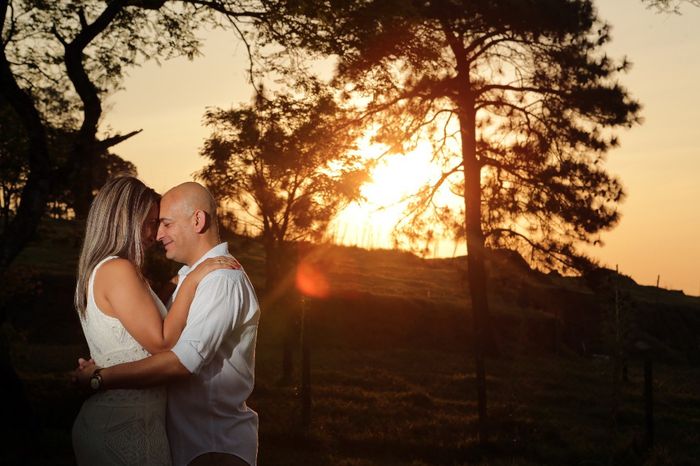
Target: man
(210, 370)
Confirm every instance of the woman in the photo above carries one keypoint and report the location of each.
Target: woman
(124, 321)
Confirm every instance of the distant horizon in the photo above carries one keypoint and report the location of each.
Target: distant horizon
(462, 253)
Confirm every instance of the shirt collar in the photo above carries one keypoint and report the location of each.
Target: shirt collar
(220, 249)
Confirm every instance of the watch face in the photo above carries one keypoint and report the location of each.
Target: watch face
(95, 383)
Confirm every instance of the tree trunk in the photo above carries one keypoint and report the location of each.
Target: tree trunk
(81, 185)
(15, 235)
(83, 153)
(280, 268)
(288, 346)
(291, 304)
(272, 274)
(305, 367)
(476, 272)
(36, 190)
(87, 147)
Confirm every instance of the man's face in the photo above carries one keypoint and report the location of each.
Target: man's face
(175, 231)
(150, 226)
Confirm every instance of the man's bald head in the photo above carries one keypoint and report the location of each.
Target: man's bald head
(188, 225)
(192, 196)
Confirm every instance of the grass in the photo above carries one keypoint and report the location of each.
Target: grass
(402, 406)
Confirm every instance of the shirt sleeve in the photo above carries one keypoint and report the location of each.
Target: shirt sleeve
(214, 312)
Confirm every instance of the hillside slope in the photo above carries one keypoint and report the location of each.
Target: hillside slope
(399, 296)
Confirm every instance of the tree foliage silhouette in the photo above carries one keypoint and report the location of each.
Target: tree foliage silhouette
(669, 6)
(14, 167)
(60, 59)
(286, 164)
(519, 101)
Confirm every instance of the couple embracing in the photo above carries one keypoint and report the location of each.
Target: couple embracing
(170, 385)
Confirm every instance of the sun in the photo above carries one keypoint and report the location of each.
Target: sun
(394, 178)
(398, 176)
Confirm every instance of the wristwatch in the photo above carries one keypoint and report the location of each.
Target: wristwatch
(96, 380)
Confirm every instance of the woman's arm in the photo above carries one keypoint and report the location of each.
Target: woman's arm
(120, 292)
(147, 372)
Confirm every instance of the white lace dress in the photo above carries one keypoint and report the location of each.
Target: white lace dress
(119, 427)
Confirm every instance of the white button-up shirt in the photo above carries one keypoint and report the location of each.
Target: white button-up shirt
(207, 412)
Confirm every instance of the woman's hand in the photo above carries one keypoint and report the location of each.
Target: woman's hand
(211, 264)
(82, 374)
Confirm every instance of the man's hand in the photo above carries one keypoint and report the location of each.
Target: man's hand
(211, 264)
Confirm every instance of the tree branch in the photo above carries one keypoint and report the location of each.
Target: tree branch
(249, 51)
(507, 87)
(114, 140)
(554, 254)
(428, 197)
(217, 6)
(479, 53)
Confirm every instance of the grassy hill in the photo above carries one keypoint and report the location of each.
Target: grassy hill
(397, 290)
(392, 370)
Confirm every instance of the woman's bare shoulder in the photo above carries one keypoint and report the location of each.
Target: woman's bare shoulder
(117, 271)
(114, 280)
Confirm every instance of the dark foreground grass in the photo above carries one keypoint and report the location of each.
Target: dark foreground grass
(411, 407)
(416, 407)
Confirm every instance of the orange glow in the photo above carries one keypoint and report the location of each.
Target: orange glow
(395, 177)
(311, 282)
(398, 176)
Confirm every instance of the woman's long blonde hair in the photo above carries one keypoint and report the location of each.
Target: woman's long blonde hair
(114, 228)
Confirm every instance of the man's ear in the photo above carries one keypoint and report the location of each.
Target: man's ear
(200, 221)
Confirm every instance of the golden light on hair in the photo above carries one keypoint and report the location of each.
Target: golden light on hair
(114, 227)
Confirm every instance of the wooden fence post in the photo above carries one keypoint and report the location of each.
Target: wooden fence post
(648, 399)
(646, 352)
(305, 370)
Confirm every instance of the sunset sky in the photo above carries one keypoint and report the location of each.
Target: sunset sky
(658, 162)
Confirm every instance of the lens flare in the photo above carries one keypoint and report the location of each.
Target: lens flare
(311, 282)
